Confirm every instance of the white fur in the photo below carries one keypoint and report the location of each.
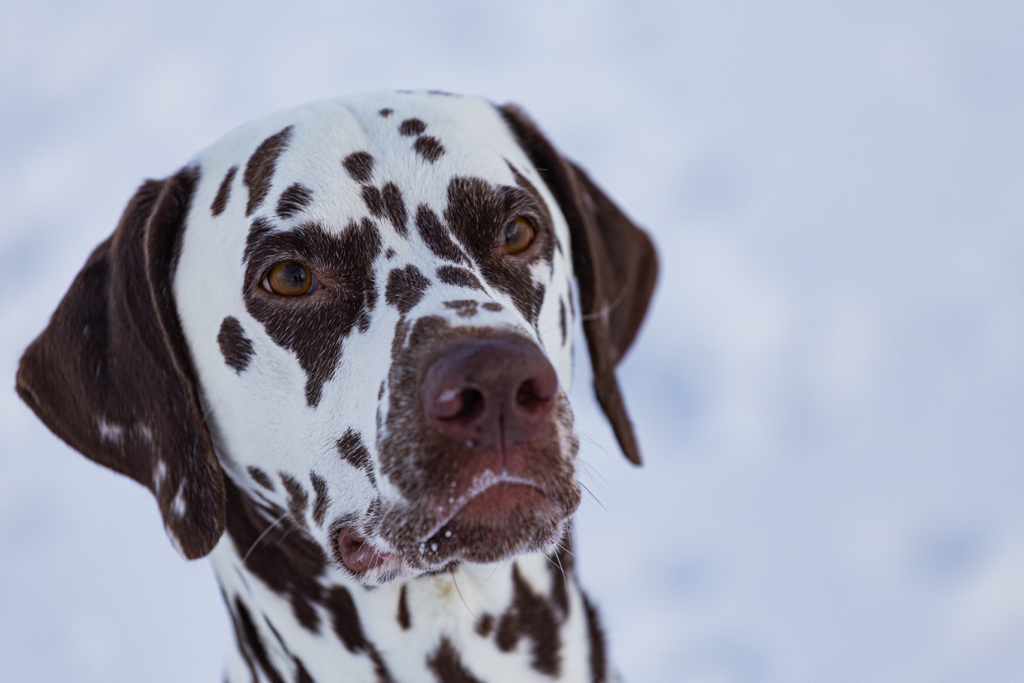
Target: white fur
(260, 417)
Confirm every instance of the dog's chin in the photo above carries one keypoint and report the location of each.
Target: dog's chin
(504, 520)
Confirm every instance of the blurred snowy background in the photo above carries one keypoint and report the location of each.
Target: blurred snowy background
(829, 391)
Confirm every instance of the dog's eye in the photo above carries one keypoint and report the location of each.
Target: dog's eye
(290, 278)
(518, 235)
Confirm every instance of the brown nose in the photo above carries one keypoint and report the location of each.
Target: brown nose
(492, 392)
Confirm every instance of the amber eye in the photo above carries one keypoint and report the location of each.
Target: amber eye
(290, 278)
(518, 235)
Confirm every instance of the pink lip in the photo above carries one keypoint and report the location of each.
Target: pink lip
(356, 553)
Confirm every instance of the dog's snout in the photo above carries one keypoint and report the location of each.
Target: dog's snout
(489, 393)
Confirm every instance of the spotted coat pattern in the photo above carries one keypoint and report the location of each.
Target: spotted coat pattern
(396, 203)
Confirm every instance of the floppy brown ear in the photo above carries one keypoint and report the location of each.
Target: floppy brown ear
(111, 374)
(615, 263)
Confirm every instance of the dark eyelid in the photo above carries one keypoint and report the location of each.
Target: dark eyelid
(525, 206)
(266, 248)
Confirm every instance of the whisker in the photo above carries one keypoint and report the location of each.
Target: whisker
(594, 442)
(596, 499)
(485, 581)
(561, 569)
(262, 536)
(594, 473)
(459, 591)
(608, 308)
(571, 553)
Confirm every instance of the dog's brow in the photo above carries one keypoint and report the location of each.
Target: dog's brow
(534, 198)
(308, 241)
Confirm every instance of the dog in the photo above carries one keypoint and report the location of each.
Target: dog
(336, 346)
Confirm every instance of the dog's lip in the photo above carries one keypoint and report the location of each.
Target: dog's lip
(359, 555)
(481, 483)
(356, 553)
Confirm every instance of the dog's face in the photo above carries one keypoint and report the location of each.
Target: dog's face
(362, 311)
(377, 299)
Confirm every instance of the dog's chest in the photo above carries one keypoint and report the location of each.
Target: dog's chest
(518, 621)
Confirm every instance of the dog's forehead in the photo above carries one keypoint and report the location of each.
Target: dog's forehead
(417, 141)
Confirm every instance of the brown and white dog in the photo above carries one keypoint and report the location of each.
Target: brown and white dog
(343, 335)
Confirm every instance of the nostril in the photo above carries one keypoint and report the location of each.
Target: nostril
(472, 404)
(485, 392)
(457, 404)
(530, 396)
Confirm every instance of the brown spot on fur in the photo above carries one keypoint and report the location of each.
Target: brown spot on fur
(405, 288)
(260, 477)
(477, 213)
(387, 203)
(447, 665)
(250, 636)
(562, 320)
(403, 610)
(281, 555)
(344, 265)
(493, 307)
(322, 498)
(298, 499)
(301, 674)
(428, 147)
(220, 202)
(411, 127)
(293, 200)
(436, 236)
(460, 277)
(259, 171)
(240, 636)
(345, 619)
(401, 329)
(464, 308)
(353, 451)
(595, 634)
(386, 112)
(531, 616)
(561, 564)
(359, 165)
(234, 345)
(484, 625)
(374, 200)
(395, 207)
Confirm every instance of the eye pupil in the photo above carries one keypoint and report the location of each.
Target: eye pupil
(518, 235)
(295, 276)
(289, 278)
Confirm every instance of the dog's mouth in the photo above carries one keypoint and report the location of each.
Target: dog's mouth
(498, 517)
(357, 554)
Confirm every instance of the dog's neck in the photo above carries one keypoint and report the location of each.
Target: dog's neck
(296, 618)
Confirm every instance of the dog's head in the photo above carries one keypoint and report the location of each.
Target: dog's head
(362, 312)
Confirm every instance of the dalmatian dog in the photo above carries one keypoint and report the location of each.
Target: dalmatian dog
(336, 347)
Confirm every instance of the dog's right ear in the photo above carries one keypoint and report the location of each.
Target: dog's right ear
(111, 374)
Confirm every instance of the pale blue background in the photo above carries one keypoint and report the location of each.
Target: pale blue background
(828, 393)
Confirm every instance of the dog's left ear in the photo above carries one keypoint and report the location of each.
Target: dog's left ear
(615, 263)
(111, 374)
